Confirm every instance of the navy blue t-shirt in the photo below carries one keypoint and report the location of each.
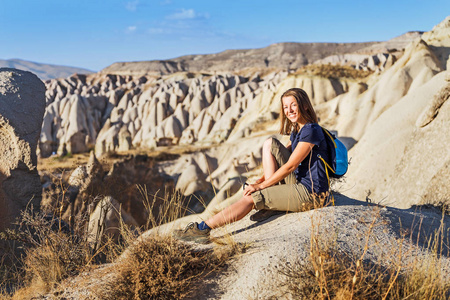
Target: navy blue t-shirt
(311, 171)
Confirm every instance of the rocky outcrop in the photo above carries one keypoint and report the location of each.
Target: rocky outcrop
(438, 39)
(117, 113)
(22, 106)
(425, 163)
(363, 105)
(133, 183)
(395, 144)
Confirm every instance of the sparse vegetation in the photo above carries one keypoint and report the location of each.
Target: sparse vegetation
(164, 268)
(50, 252)
(157, 267)
(333, 71)
(330, 273)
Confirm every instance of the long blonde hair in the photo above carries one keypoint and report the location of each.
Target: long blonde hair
(305, 109)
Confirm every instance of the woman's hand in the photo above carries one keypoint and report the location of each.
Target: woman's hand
(251, 188)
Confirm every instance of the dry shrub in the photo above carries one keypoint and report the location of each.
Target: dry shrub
(164, 268)
(330, 273)
(163, 209)
(58, 257)
(161, 267)
(50, 251)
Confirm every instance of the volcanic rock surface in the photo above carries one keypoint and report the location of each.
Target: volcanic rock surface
(22, 106)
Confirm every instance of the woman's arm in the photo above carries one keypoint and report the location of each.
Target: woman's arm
(260, 179)
(301, 151)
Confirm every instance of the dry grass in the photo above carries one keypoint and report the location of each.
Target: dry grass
(67, 162)
(161, 267)
(50, 252)
(158, 267)
(330, 273)
(164, 268)
(333, 71)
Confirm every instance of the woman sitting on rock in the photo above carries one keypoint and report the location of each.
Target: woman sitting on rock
(293, 175)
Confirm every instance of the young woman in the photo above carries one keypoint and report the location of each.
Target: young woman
(293, 175)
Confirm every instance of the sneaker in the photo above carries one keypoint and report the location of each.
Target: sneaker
(264, 214)
(191, 233)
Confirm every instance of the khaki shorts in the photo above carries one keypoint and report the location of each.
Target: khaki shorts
(289, 195)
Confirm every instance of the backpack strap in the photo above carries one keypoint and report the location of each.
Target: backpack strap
(331, 137)
(327, 166)
(328, 177)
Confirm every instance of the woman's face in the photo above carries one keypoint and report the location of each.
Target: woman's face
(290, 108)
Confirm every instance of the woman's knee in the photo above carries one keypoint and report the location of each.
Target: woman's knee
(267, 146)
(270, 144)
(248, 200)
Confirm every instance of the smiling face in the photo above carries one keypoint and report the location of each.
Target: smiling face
(290, 108)
(296, 111)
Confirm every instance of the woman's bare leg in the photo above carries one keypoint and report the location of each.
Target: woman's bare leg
(270, 164)
(232, 213)
(242, 207)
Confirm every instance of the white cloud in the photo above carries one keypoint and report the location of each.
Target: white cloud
(131, 29)
(132, 5)
(185, 14)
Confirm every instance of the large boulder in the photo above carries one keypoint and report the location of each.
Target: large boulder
(22, 106)
(402, 159)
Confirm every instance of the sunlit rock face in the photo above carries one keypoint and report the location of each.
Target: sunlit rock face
(22, 106)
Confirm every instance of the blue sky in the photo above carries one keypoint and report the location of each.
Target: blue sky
(93, 34)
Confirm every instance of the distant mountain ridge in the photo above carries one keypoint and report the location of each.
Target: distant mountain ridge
(43, 71)
(280, 56)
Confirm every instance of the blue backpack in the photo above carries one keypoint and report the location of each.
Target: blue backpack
(337, 165)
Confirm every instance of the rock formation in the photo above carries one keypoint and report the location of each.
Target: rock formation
(395, 120)
(131, 183)
(106, 221)
(395, 161)
(229, 114)
(22, 106)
